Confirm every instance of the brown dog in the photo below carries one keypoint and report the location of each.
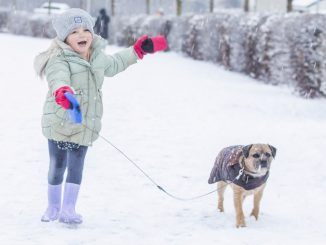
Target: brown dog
(246, 168)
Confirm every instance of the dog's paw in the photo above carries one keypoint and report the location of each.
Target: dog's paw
(254, 213)
(240, 222)
(220, 208)
(241, 225)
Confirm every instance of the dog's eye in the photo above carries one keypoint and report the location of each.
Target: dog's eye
(267, 154)
(256, 155)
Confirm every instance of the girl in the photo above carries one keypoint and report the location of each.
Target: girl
(76, 63)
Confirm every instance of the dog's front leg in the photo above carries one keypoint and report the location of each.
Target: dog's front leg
(238, 198)
(221, 185)
(257, 198)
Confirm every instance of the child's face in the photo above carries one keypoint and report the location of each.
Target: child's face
(80, 41)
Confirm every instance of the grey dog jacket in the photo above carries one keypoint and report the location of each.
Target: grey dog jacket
(227, 168)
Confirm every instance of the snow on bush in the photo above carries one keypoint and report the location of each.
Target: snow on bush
(126, 34)
(18, 23)
(274, 48)
(4, 15)
(41, 26)
(177, 32)
(307, 53)
(35, 25)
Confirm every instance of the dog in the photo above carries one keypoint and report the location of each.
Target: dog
(246, 169)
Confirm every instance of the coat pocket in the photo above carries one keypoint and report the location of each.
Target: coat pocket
(64, 126)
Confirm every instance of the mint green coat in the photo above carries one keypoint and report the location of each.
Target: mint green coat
(64, 67)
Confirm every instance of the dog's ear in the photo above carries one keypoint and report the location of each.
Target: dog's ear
(245, 150)
(273, 149)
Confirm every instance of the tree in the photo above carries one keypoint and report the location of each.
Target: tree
(148, 6)
(246, 6)
(49, 11)
(112, 7)
(13, 5)
(211, 6)
(179, 7)
(289, 6)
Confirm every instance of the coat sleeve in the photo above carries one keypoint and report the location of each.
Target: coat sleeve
(120, 61)
(57, 73)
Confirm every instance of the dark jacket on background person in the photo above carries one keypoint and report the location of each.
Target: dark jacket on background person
(102, 24)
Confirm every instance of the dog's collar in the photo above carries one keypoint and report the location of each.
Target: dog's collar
(247, 181)
(252, 174)
(243, 173)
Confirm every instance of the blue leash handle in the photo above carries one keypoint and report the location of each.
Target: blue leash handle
(74, 113)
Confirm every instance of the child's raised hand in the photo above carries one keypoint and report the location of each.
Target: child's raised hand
(145, 45)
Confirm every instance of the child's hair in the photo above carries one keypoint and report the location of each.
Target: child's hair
(71, 19)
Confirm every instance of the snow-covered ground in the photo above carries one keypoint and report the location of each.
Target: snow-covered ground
(171, 115)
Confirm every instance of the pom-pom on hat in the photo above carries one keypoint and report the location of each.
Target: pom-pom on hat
(71, 19)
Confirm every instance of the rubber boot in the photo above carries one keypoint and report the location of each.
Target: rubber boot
(54, 203)
(68, 214)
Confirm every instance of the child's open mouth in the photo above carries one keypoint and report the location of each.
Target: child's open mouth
(82, 43)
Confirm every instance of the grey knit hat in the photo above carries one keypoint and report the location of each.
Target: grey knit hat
(71, 19)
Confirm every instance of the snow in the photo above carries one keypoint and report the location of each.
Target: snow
(171, 115)
(303, 3)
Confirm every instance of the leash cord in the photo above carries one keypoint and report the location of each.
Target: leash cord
(146, 175)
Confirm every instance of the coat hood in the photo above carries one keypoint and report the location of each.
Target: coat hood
(58, 47)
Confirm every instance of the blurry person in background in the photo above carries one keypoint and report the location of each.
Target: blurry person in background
(102, 24)
(159, 12)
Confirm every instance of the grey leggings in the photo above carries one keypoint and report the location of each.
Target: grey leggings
(72, 159)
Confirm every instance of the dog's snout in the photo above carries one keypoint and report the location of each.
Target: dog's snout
(263, 163)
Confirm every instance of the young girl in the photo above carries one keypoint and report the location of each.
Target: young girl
(76, 63)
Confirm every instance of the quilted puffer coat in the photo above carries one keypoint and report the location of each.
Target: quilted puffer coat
(64, 67)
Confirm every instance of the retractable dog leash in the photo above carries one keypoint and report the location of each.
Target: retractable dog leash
(74, 112)
(154, 182)
(147, 175)
(76, 117)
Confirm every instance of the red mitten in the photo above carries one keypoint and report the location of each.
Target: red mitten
(60, 97)
(137, 46)
(145, 45)
(159, 43)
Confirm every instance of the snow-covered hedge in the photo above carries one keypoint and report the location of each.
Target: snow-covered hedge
(277, 48)
(24, 23)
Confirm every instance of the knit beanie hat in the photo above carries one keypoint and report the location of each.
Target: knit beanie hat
(71, 19)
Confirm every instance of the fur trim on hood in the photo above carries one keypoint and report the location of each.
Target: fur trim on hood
(42, 59)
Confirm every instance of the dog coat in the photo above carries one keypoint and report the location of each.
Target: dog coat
(227, 168)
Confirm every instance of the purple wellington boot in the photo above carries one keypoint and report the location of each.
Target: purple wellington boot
(68, 214)
(54, 203)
